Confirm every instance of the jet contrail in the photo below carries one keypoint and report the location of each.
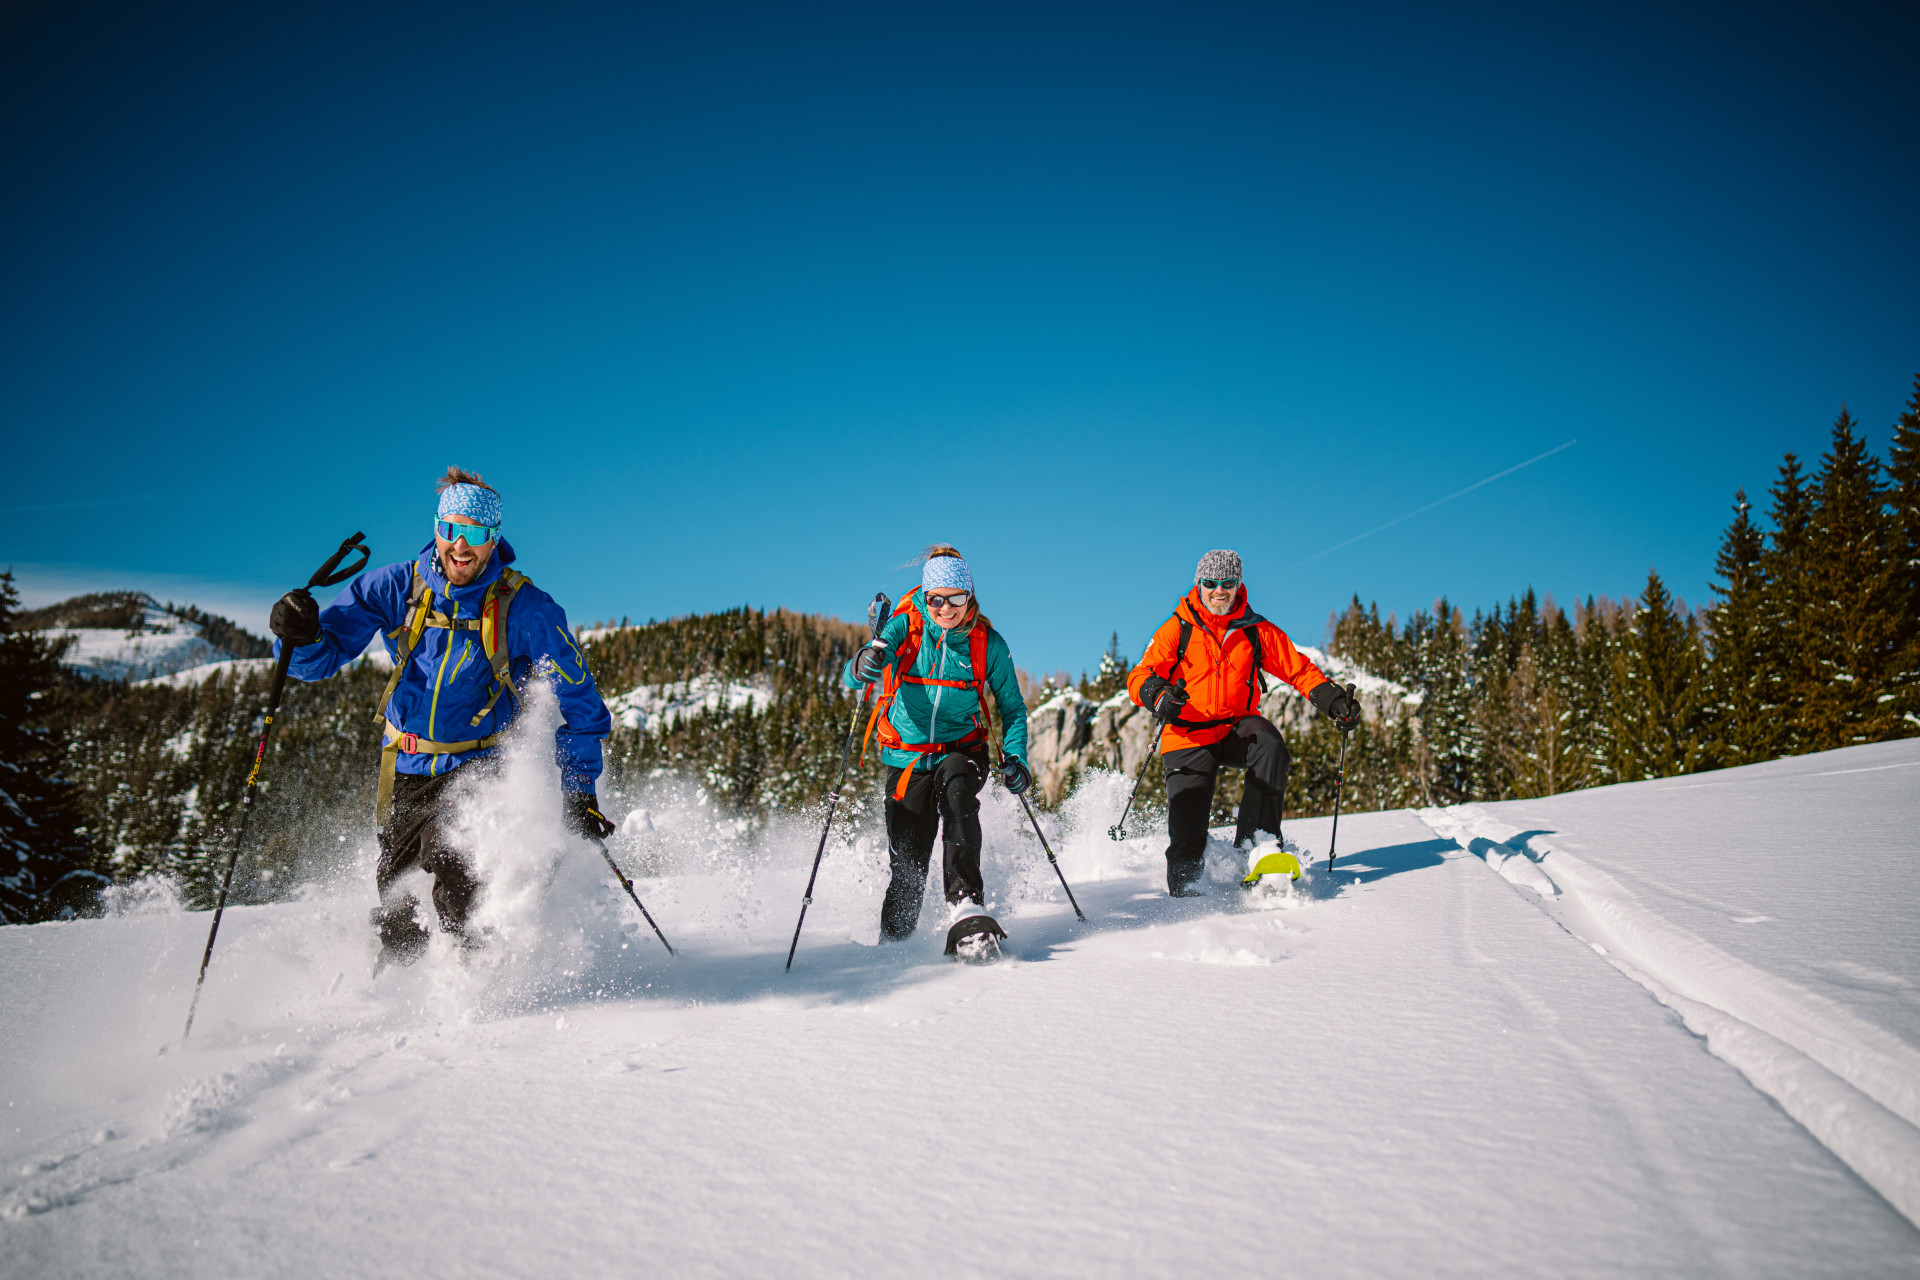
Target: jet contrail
(1437, 502)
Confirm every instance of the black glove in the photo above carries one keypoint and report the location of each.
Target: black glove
(1162, 697)
(869, 663)
(1015, 775)
(581, 809)
(1337, 704)
(296, 618)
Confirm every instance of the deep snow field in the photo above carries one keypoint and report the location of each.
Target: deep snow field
(1665, 1028)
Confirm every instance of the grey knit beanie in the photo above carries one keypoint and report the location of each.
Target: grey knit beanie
(1217, 565)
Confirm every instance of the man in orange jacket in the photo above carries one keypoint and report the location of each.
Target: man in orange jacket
(1202, 677)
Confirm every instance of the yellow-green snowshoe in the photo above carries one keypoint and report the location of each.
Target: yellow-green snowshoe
(1276, 863)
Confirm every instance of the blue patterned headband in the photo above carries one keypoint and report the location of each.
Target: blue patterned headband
(946, 573)
(474, 501)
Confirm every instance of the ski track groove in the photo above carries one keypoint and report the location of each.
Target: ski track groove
(1851, 1084)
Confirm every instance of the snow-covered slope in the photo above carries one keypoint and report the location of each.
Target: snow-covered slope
(1406, 1067)
(157, 643)
(651, 706)
(191, 677)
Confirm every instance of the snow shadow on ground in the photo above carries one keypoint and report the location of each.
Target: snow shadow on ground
(1364, 866)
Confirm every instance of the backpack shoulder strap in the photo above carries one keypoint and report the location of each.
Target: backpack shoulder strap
(916, 632)
(493, 637)
(902, 663)
(1250, 625)
(406, 635)
(977, 656)
(1180, 651)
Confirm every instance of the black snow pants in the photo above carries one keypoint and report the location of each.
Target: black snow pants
(945, 796)
(1254, 745)
(416, 837)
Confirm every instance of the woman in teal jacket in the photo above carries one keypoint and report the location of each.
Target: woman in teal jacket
(933, 732)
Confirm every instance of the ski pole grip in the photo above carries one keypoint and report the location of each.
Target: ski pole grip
(325, 575)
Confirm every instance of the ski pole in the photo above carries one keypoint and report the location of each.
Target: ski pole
(628, 886)
(1339, 784)
(1050, 858)
(1118, 830)
(877, 614)
(323, 577)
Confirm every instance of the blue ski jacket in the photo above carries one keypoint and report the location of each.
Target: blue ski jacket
(934, 713)
(447, 678)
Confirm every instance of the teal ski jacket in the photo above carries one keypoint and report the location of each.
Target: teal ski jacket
(934, 713)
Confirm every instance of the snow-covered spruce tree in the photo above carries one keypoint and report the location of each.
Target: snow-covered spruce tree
(1656, 704)
(1743, 725)
(1359, 636)
(1450, 751)
(1544, 754)
(1495, 636)
(1903, 494)
(1112, 675)
(1851, 628)
(1787, 582)
(44, 850)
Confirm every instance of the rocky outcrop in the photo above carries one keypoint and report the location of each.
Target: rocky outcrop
(1070, 733)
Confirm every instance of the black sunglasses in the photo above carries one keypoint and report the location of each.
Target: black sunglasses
(1219, 584)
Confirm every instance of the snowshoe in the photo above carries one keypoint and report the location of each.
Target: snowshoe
(402, 940)
(975, 936)
(1276, 862)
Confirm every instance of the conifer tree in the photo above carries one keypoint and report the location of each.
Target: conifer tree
(1787, 584)
(1450, 750)
(1599, 625)
(1850, 631)
(1656, 705)
(1742, 726)
(1112, 676)
(1903, 494)
(1543, 744)
(43, 846)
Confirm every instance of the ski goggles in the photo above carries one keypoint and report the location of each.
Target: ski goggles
(1219, 584)
(476, 535)
(951, 600)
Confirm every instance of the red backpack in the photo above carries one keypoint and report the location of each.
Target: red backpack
(878, 725)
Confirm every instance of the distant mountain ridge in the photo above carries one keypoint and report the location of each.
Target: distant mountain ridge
(128, 635)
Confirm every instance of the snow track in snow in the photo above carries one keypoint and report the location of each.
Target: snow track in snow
(1854, 1085)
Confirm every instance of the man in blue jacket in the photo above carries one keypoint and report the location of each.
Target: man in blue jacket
(465, 632)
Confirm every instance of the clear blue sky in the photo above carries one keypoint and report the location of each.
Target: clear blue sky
(747, 304)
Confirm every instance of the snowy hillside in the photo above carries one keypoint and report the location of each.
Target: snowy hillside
(1660, 1028)
(649, 706)
(142, 639)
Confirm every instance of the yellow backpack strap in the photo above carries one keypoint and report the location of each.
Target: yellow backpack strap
(405, 636)
(413, 745)
(493, 637)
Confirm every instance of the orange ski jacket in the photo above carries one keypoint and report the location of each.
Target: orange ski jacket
(1218, 666)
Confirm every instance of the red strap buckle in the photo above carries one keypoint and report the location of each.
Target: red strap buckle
(410, 743)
